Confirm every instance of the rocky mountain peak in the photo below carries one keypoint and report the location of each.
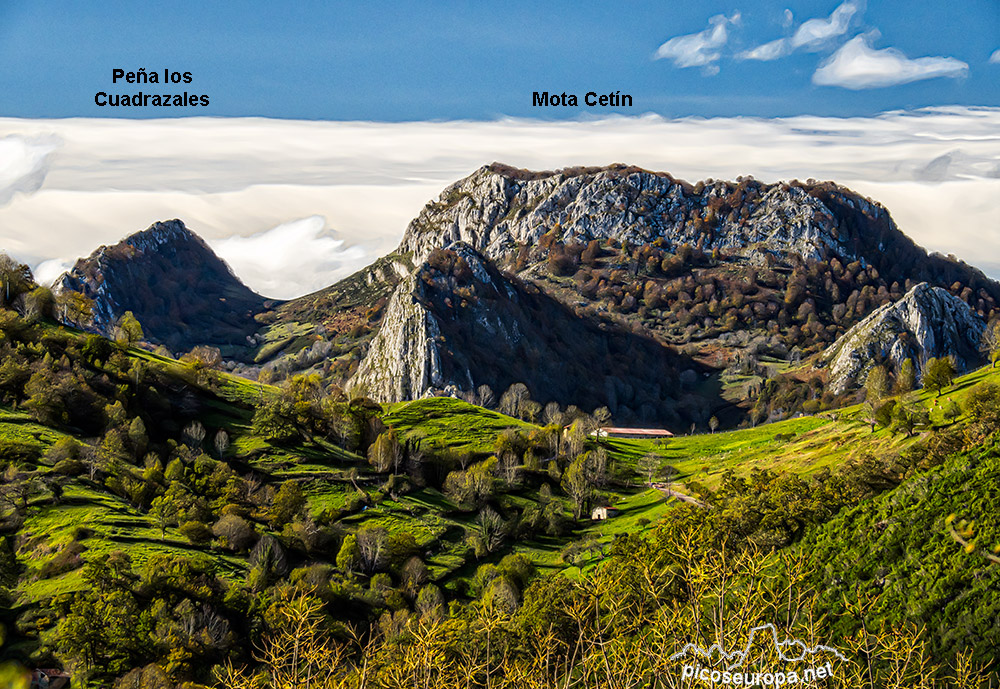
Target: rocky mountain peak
(163, 233)
(498, 208)
(926, 322)
(172, 281)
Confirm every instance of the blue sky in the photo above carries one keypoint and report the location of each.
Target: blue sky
(331, 124)
(414, 61)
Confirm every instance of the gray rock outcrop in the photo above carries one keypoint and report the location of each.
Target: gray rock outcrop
(456, 323)
(927, 322)
(497, 208)
(403, 361)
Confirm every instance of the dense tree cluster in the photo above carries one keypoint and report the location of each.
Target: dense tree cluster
(688, 294)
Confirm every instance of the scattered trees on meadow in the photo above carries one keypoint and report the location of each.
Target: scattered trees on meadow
(15, 280)
(939, 373)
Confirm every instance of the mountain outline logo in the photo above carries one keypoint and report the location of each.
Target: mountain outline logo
(714, 665)
(742, 655)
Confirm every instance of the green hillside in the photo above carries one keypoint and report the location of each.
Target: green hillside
(163, 514)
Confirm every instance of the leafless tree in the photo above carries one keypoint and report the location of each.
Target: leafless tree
(194, 434)
(221, 443)
(386, 453)
(485, 396)
(509, 467)
(372, 547)
(492, 529)
(512, 399)
(552, 414)
(649, 465)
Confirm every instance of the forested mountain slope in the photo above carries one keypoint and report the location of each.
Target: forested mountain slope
(161, 518)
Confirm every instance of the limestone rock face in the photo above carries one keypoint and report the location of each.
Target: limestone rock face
(457, 323)
(403, 360)
(497, 208)
(927, 322)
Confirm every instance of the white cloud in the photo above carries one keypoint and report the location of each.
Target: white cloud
(47, 272)
(292, 258)
(52, 228)
(702, 49)
(812, 35)
(23, 165)
(767, 51)
(995, 57)
(856, 65)
(230, 178)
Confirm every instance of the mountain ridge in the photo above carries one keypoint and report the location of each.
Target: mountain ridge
(716, 273)
(498, 207)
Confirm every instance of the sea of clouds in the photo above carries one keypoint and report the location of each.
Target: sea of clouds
(293, 206)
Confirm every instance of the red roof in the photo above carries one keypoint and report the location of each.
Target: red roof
(616, 430)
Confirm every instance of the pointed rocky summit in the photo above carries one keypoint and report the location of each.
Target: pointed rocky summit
(169, 278)
(927, 322)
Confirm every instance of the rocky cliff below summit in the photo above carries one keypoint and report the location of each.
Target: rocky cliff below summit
(456, 323)
(927, 322)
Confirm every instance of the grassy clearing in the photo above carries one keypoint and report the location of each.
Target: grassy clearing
(802, 445)
(102, 523)
(638, 510)
(233, 389)
(448, 423)
(11, 416)
(20, 437)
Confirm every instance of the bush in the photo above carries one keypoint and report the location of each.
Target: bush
(197, 532)
(274, 420)
(66, 560)
(82, 533)
(561, 264)
(235, 531)
(430, 601)
(519, 569)
(150, 677)
(288, 503)
(983, 406)
(69, 467)
(62, 449)
(414, 575)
